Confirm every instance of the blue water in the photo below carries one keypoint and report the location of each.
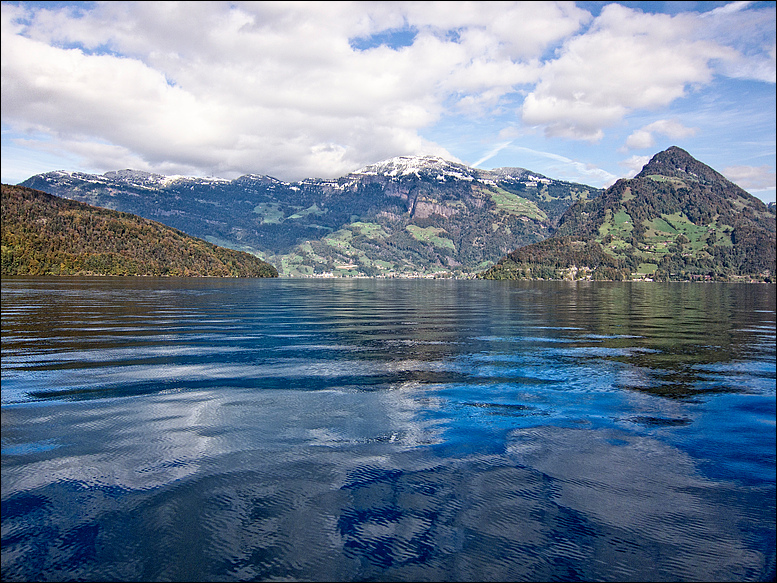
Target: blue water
(222, 430)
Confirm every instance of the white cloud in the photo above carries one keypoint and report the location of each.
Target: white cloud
(639, 140)
(564, 168)
(634, 165)
(238, 87)
(751, 31)
(515, 30)
(278, 87)
(755, 178)
(671, 128)
(626, 61)
(491, 153)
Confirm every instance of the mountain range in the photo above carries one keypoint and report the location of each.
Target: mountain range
(407, 216)
(678, 219)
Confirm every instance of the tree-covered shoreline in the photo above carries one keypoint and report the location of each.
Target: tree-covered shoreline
(47, 235)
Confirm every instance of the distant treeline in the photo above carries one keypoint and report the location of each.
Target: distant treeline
(46, 235)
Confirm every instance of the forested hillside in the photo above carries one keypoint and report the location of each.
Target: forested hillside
(678, 219)
(46, 235)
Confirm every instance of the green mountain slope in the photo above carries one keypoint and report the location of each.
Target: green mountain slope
(403, 216)
(46, 235)
(678, 219)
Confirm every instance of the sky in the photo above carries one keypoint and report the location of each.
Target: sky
(580, 91)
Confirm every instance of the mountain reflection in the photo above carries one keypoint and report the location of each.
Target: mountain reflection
(387, 430)
(101, 339)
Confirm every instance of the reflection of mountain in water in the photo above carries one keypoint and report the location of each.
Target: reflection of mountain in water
(675, 341)
(393, 430)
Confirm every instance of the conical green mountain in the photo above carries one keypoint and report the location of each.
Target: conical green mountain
(46, 235)
(678, 219)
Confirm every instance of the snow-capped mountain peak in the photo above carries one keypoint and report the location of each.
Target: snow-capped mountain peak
(152, 180)
(430, 166)
(134, 176)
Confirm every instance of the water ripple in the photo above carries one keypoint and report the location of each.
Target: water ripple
(403, 431)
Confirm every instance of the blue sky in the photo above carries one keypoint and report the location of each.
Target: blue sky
(580, 91)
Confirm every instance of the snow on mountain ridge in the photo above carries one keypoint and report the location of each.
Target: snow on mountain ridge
(429, 167)
(137, 177)
(414, 165)
(142, 178)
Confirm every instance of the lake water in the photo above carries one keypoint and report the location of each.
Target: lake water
(341, 430)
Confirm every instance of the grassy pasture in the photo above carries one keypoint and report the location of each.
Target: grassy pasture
(369, 230)
(431, 235)
(270, 212)
(619, 225)
(516, 205)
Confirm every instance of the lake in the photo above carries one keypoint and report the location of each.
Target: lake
(401, 430)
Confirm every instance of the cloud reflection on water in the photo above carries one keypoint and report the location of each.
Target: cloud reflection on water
(451, 431)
